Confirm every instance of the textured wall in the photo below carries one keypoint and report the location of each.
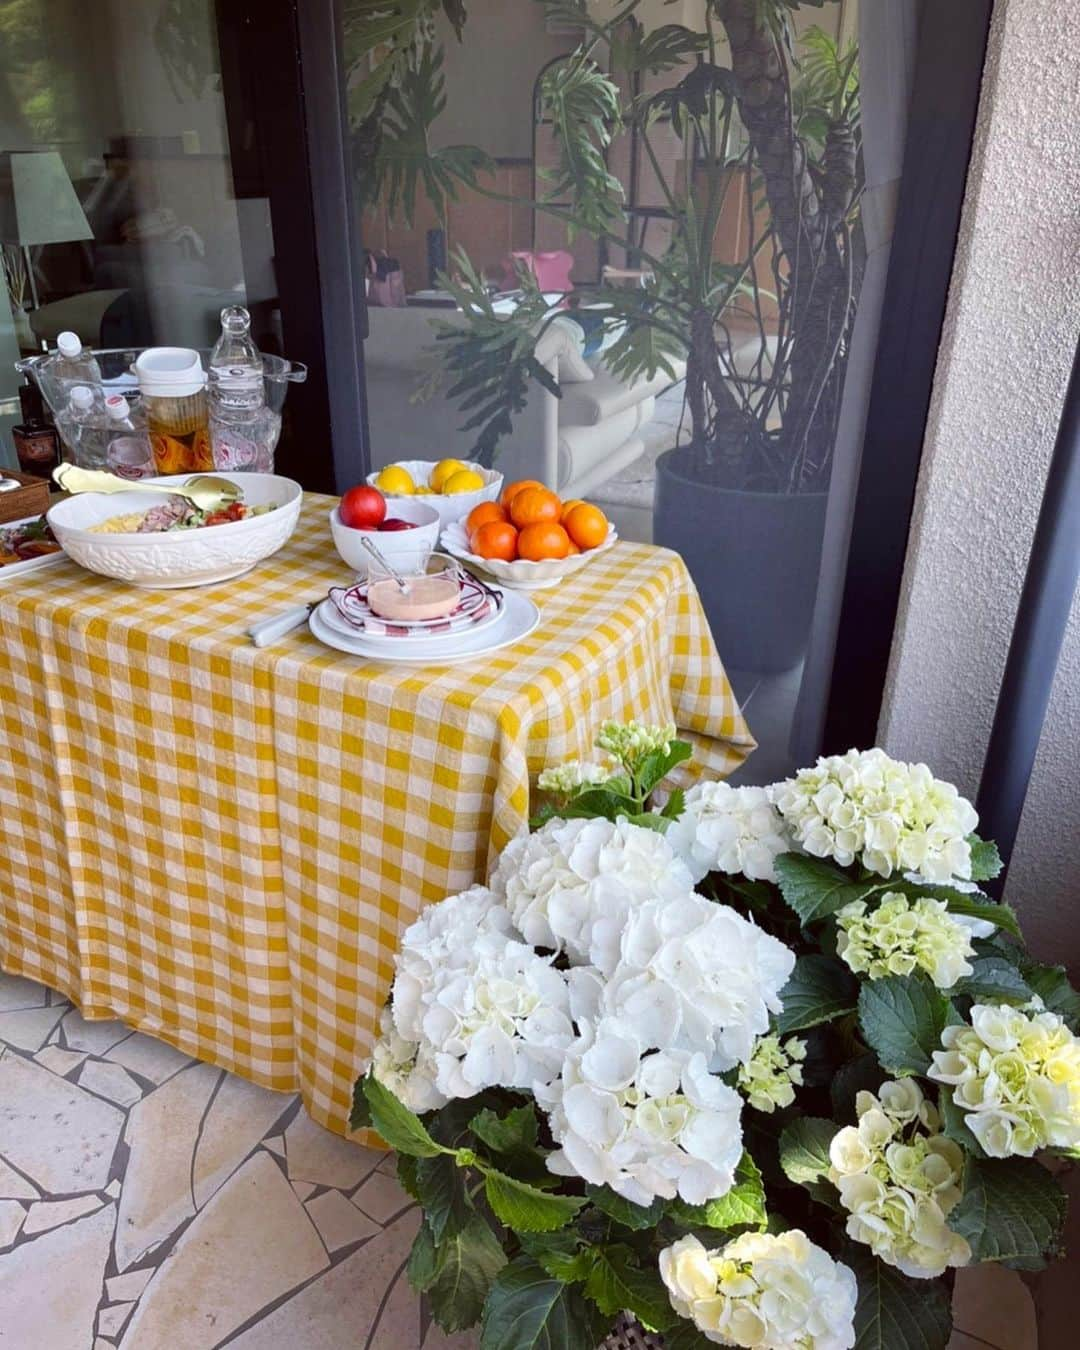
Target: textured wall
(1011, 329)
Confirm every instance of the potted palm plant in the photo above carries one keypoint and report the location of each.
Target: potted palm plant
(762, 128)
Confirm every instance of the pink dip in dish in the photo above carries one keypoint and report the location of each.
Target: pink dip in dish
(428, 598)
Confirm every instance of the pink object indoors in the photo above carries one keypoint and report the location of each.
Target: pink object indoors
(551, 270)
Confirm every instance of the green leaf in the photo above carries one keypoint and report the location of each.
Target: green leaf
(815, 889)
(804, 1148)
(819, 990)
(423, 1263)
(656, 765)
(985, 859)
(559, 1253)
(895, 1313)
(618, 1282)
(1012, 1209)
(465, 1266)
(624, 1211)
(993, 979)
(742, 1207)
(675, 804)
(599, 801)
(401, 1129)
(954, 1124)
(1052, 985)
(861, 1074)
(440, 1188)
(528, 1310)
(360, 1115)
(526, 1209)
(514, 1132)
(686, 1336)
(902, 1018)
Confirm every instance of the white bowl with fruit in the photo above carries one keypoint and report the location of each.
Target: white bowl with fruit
(530, 538)
(452, 486)
(405, 531)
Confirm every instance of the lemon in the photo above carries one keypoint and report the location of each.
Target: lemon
(396, 480)
(465, 480)
(424, 492)
(442, 471)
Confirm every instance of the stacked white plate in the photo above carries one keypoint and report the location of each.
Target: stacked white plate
(426, 643)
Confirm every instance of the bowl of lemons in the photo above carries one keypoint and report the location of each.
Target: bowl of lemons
(452, 486)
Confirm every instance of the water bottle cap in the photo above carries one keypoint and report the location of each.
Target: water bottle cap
(69, 345)
(235, 319)
(82, 397)
(116, 405)
(170, 372)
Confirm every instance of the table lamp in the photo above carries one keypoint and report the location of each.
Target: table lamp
(39, 206)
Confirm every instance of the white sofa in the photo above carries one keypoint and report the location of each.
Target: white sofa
(573, 443)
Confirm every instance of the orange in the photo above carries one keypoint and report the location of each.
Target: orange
(482, 514)
(547, 539)
(512, 489)
(573, 549)
(496, 539)
(586, 525)
(532, 506)
(569, 506)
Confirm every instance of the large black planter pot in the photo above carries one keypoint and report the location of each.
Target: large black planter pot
(754, 557)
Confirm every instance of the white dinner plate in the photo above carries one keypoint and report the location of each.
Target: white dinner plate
(519, 617)
(28, 564)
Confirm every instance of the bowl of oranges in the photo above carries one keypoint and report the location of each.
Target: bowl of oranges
(452, 486)
(530, 538)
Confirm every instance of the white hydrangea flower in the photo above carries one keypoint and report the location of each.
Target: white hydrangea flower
(1015, 1073)
(773, 1072)
(891, 816)
(572, 885)
(694, 975)
(898, 1179)
(900, 935)
(645, 1124)
(405, 1068)
(728, 829)
(563, 780)
(775, 1291)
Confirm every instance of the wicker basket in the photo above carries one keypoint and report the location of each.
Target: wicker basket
(627, 1334)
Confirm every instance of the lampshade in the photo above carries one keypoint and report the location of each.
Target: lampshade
(41, 206)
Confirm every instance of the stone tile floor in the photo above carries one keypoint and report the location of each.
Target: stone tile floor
(151, 1202)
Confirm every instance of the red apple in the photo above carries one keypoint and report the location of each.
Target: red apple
(363, 508)
(396, 523)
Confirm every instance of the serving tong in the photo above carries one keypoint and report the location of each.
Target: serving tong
(205, 491)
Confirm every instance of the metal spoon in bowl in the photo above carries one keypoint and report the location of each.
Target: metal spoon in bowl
(377, 554)
(206, 491)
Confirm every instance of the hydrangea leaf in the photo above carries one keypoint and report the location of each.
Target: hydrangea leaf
(513, 1136)
(458, 1273)
(820, 989)
(814, 889)
(525, 1208)
(985, 859)
(360, 1115)
(440, 1188)
(902, 1018)
(402, 1130)
(804, 1148)
(624, 1211)
(686, 1337)
(1011, 1210)
(1053, 987)
(617, 1282)
(861, 1074)
(656, 765)
(895, 1313)
(560, 1254)
(742, 1207)
(528, 1310)
(954, 1124)
(993, 979)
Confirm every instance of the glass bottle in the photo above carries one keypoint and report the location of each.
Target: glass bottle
(244, 430)
(173, 386)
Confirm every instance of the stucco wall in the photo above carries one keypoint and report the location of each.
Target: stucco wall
(1012, 325)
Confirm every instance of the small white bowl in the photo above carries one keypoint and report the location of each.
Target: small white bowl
(455, 507)
(521, 574)
(176, 558)
(407, 550)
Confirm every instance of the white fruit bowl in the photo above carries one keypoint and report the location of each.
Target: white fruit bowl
(455, 507)
(407, 550)
(176, 558)
(521, 574)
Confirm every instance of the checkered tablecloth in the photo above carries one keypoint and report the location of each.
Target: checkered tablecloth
(220, 845)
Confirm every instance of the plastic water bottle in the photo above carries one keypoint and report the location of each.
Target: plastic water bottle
(128, 454)
(244, 431)
(74, 363)
(84, 428)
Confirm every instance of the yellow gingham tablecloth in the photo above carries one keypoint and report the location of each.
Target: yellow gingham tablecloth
(221, 845)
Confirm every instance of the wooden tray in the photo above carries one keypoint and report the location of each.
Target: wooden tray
(32, 499)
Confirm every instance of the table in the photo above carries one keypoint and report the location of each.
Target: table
(220, 845)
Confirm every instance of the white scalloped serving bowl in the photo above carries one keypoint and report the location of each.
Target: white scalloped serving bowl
(452, 508)
(521, 574)
(177, 558)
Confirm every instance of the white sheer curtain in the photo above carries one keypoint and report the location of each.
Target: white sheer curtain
(887, 37)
